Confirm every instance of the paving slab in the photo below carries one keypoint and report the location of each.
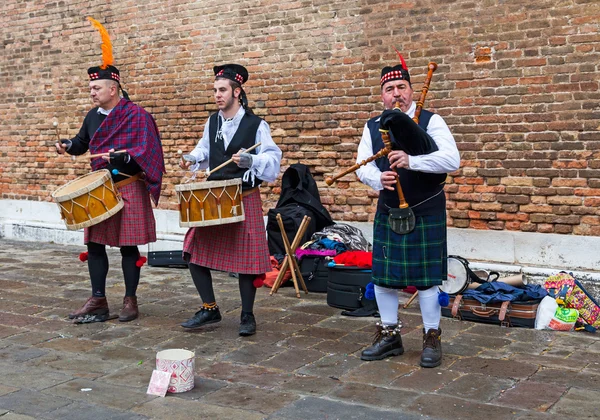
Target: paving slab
(31, 403)
(578, 403)
(99, 393)
(323, 409)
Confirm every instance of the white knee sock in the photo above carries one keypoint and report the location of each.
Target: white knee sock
(431, 311)
(387, 301)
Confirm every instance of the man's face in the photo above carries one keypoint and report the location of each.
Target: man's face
(397, 91)
(102, 92)
(225, 96)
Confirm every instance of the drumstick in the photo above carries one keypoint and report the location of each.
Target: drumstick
(231, 160)
(57, 131)
(104, 154)
(116, 172)
(55, 124)
(407, 304)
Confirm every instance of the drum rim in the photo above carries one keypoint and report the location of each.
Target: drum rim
(464, 287)
(98, 219)
(202, 185)
(213, 222)
(105, 176)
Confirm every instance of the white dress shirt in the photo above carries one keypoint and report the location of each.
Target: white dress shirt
(446, 159)
(266, 161)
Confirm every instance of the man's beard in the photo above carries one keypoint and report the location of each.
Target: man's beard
(228, 104)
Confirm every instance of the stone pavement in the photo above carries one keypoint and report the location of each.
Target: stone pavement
(302, 364)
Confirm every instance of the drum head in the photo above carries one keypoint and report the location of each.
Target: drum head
(457, 280)
(81, 185)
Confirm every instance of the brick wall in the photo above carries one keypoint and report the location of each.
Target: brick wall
(517, 83)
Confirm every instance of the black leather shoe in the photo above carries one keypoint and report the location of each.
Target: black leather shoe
(203, 317)
(387, 343)
(432, 348)
(247, 324)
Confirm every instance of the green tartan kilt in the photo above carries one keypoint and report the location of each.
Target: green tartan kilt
(418, 258)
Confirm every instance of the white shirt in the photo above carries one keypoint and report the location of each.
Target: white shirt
(266, 161)
(446, 159)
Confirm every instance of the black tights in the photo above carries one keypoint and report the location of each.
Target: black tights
(98, 268)
(203, 282)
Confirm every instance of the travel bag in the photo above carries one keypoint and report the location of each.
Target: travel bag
(506, 314)
(346, 287)
(315, 273)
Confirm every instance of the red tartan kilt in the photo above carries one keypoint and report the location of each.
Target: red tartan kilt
(235, 247)
(133, 225)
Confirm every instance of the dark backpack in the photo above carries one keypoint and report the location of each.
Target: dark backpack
(291, 216)
(299, 197)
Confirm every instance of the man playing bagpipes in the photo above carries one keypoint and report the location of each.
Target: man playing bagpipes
(238, 247)
(127, 137)
(409, 243)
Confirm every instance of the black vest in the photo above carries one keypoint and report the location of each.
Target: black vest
(244, 137)
(416, 186)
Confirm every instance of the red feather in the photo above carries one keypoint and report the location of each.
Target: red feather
(401, 59)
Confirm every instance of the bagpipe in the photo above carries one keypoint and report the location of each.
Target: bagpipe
(407, 136)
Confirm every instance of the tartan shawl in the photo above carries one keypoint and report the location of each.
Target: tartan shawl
(129, 126)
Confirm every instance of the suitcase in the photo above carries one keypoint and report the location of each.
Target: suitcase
(506, 314)
(166, 259)
(315, 273)
(346, 286)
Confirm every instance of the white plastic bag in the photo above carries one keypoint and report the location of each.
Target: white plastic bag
(545, 312)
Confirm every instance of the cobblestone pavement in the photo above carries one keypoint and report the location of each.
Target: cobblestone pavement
(302, 364)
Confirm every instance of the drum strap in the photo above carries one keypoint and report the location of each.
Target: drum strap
(133, 178)
(248, 192)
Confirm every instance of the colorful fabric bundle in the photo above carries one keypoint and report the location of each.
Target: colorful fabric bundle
(568, 291)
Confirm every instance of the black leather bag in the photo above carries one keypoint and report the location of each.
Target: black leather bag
(315, 273)
(346, 287)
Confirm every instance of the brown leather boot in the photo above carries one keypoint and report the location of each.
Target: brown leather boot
(93, 306)
(130, 309)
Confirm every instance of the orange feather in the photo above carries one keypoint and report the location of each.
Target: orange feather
(107, 55)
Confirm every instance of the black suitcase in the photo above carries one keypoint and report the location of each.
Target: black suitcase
(315, 273)
(506, 314)
(346, 287)
(166, 259)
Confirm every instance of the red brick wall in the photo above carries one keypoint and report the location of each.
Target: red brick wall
(517, 83)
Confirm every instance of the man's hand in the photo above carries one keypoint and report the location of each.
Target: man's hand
(62, 147)
(243, 160)
(186, 161)
(388, 180)
(387, 118)
(118, 160)
(398, 159)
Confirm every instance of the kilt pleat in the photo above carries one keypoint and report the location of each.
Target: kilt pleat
(234, 247)
(418, 258)
(133, 225)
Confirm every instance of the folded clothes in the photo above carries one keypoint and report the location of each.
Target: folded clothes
(362, 259)
(496, 291)
(301, 253)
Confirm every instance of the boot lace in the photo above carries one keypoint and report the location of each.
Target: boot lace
(431, 339)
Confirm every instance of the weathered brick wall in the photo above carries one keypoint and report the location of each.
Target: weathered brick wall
(517, 83)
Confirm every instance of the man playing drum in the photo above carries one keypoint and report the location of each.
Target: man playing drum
(416, 258)
(236, 247)
(116, 123)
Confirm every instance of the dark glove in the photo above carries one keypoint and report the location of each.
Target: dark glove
(387, 118)
(119, 160)
(67, 143)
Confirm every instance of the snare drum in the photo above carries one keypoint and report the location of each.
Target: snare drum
(88, 200)
(210, 203)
